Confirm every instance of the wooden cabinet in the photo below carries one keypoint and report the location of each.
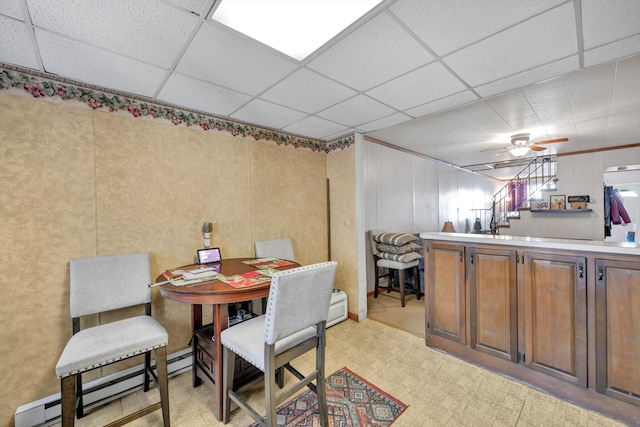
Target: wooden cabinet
(555, 316)
(566, 321)
(493, 299)
(446, 311)
(207, 356)
(617, 329)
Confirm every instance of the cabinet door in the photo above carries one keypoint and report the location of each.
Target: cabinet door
(446, 292)
(493, 299)
(555, 316)
(618, 329)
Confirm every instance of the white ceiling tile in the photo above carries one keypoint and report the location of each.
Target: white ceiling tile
(224, 58)
(199, 7)
(622, 128)
(199, 95)
(551, 92)
(605, 21)
(612, 51)
(510, 104)
(590, 92)
(418, 87)
(514, 108)
(85, 63)
(538, 74)
(384, 122)
(373, 54)
(538, 41)
(590, 135)
(551, 104)
(15, 44)
(315, 127)
(11, 8)
(268, 114)
(307, 91)
(147, 30)
(627, 86)
(443, 104)
(446, 26)
(355, 111)
(485, 117)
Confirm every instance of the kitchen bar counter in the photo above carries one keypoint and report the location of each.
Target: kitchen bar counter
(538, 242)
(558, 314)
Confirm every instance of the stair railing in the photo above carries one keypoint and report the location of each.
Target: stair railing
(538, 175)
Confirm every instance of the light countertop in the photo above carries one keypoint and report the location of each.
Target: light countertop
(623, 248)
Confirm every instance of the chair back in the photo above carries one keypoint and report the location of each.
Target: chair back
(275, 248)
(298, 298)
(374, 249)
(105, 283)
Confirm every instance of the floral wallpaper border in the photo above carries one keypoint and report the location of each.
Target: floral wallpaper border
(41, 85)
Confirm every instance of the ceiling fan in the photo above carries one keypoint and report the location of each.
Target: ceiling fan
(520, 145)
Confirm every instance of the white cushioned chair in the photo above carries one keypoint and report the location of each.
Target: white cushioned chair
(388, 266)
(100, 284)
(294, 324)
(275, 248)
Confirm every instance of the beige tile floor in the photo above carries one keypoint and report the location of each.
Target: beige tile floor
(388, 309)
(439, 389)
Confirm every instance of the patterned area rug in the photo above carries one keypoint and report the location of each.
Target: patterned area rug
(351, 400)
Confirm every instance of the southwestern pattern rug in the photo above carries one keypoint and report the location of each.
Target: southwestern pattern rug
(352, 402)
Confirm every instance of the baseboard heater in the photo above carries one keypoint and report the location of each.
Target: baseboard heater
(47, 411)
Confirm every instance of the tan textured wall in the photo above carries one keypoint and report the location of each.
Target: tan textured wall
(291, 181)
(77, 183)
(342, 179)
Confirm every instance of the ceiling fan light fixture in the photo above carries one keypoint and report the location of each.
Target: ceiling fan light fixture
(519, 151)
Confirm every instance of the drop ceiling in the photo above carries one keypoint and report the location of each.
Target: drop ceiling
(446, 79)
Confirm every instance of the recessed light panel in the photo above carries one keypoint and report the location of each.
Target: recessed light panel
(294, 27)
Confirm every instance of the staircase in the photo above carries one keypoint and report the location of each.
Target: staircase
(530, 183)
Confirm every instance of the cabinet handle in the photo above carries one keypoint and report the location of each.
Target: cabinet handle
(461, 257)
(471, 257)
(600, 273)
(580, 270)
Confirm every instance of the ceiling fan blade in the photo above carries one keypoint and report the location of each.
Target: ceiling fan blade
(551, 141)
(534, 148)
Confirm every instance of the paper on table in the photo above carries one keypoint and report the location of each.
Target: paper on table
(268, 263)
(199, 274)
(244, 280)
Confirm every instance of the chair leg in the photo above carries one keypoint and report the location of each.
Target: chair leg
(79, 402)
(320, 385)
(271, 403)
(68, 400)
(417, 282)
(376, 274)
(228, 371)
(163, 383)
(401, 285)
(147, 368)
(390, 281)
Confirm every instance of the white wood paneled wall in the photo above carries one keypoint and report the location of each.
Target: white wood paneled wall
(407, 193)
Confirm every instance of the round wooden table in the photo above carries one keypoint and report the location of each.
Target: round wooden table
(205, 344)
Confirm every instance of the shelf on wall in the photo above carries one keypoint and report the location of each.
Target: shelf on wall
(561, 210)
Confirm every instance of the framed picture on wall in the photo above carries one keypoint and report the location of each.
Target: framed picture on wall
(558, 202)
(537, 204)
